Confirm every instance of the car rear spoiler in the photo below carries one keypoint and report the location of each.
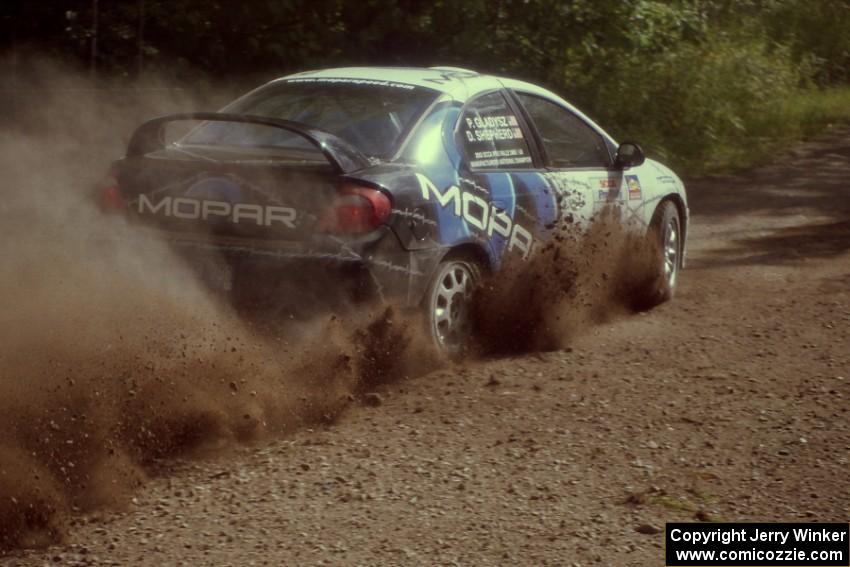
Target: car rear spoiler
(149, 137)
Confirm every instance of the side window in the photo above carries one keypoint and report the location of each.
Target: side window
(567, 139)
(491, 136)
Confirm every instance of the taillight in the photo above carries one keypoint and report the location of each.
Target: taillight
(356, 210)
(111, 200)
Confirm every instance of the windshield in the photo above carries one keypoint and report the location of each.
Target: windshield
(371, 115)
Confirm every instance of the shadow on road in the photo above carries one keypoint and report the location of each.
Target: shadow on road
(783, 246)
(811, 182)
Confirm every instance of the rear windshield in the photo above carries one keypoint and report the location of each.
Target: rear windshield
(371, 115)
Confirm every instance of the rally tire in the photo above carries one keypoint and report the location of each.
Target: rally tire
(664, 256)
(448, 305)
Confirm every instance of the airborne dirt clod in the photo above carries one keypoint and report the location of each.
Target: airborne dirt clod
(565, 286)
(730, 403)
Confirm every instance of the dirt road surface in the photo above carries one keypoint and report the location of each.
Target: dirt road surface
(730, 403)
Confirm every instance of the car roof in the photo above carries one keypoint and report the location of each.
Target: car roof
(461, 84)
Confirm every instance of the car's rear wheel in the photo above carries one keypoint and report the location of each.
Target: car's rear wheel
(664, 251)
(448, 305)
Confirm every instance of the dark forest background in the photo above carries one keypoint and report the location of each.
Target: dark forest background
(705, 83)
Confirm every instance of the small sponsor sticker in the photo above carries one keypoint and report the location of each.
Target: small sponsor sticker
(634, 187)
(607, 188)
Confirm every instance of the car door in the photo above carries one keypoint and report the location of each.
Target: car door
(579, 165)
(497, 157)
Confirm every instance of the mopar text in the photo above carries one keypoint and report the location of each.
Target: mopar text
(477, 212)
(190, 209)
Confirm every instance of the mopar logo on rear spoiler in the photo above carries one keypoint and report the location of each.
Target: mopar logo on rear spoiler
(193, 209)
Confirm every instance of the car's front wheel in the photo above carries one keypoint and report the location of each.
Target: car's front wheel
(664, 252)
(448, 305)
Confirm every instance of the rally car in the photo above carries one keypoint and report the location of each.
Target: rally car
(389, 183)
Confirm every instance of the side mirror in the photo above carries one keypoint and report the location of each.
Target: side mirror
(629, 154)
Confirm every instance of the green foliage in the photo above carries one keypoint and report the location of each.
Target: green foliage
(818, 33)
(699, 82)
(696, 104)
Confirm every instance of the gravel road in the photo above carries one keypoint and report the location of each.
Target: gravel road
(729, 403)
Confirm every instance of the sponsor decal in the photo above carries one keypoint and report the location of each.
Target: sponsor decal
(608, 188)
(633, 184)
(187, 208)
(478, 213)
(347, 81)
(450, 75)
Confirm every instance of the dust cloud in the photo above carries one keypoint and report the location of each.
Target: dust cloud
(112, 355)
(572, 282)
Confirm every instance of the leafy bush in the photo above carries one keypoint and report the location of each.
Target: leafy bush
(701, 105)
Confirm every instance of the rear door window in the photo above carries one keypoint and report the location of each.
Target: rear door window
(491, 135)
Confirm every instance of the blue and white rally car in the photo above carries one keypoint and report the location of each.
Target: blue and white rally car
(391, 183)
